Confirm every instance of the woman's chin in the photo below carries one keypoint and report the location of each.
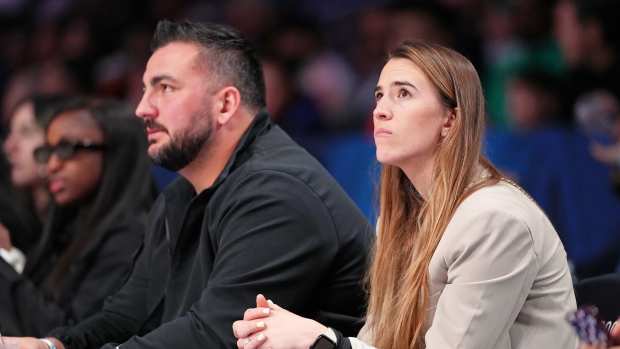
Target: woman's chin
(387, 159)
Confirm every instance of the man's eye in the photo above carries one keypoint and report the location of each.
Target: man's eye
(166, 88)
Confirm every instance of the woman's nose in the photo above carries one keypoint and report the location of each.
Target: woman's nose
(381, 111)
(53, 163)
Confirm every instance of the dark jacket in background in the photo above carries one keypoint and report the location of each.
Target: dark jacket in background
(29, 306)
(274, 222)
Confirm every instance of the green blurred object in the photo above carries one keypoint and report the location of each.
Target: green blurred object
(544, 55)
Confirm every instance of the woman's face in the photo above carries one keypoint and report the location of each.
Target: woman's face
(25, 135)
(408, 117)
(75, 177)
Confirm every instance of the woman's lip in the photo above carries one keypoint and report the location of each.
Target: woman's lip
(382, 132)
(56, 185)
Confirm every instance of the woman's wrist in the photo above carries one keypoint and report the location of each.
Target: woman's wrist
(311, 334)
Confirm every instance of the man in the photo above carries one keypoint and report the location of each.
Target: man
(253, 211)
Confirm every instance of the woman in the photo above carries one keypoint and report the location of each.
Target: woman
(464, 258)
(27, 132)
(99, 180)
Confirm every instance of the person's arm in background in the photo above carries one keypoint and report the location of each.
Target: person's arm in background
(9, 253)
(123, 315)
(105, 272)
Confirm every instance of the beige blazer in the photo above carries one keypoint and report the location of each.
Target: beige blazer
(499, 278)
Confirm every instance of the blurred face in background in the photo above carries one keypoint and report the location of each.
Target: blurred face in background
(75, 160)
(25, 135)
(568, 32)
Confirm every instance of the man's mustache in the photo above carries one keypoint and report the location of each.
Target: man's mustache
(151, 124)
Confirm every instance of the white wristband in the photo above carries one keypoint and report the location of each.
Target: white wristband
(48, 342)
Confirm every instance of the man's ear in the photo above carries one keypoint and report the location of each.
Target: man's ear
(227, 102)
(448, 122)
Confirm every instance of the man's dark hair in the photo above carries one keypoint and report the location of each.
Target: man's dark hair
(228, 55)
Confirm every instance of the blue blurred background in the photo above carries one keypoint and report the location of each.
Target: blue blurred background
(549, 69)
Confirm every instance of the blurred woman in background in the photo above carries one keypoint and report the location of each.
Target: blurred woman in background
(23, 215)
(99, 179)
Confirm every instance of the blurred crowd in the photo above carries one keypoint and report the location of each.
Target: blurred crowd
(549, 68)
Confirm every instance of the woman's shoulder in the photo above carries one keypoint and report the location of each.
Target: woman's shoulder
(504, 198)
(501, 211)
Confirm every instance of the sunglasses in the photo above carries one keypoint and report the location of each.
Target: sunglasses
(64, 150)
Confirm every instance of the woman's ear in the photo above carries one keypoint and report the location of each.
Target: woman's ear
(448, 122)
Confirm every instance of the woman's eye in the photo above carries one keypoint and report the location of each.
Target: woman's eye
(378, 96)
(403, 93)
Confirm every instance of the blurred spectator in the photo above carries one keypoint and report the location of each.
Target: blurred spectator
(419, 20)
(367, 58)
(48, 78)
(589, 36)
(292, 110)
(254, 18)
(329, 81)
(99, 180)
(516, 38)
(598, 114)
(533, 102)
(24, 215)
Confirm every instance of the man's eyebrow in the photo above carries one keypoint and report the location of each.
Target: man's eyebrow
(159, 78)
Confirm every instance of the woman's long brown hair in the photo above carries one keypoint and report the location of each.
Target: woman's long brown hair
(410, 227)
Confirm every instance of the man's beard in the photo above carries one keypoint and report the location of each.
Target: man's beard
(184, 146)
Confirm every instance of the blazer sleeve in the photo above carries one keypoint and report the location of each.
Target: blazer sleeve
(491, 266)
(275, 237)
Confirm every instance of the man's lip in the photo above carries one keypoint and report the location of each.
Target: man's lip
(151, 131)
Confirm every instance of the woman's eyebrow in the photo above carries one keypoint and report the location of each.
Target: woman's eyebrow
(404, 83)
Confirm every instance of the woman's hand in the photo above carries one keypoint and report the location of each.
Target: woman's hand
(270, 326)
(5, 238)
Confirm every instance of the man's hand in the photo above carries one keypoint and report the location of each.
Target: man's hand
(5, 238)
(28, 343)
